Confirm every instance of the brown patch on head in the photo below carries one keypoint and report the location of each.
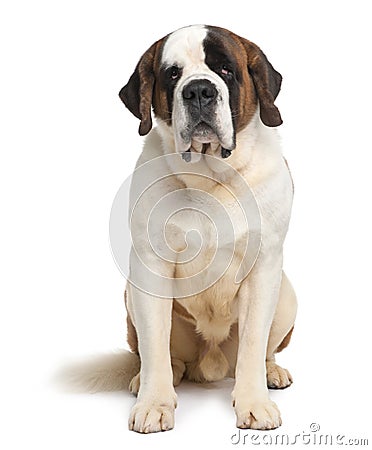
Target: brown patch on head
(161, 101)
(224, 50)
(248, 97)
(256, 77)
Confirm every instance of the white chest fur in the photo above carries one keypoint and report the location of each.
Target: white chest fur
(204, 230)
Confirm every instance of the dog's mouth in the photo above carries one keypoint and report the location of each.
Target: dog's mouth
(204, 133)
(205, 139)
(203, 148)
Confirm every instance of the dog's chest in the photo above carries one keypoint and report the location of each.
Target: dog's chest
(210, 237)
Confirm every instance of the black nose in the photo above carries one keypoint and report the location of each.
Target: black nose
(199, 93)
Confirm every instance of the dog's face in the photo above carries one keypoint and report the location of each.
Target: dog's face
(205, 84)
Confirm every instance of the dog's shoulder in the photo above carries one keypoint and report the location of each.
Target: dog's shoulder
(152, 178)
(152, 148)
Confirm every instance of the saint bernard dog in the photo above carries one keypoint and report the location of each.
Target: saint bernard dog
(212, 94)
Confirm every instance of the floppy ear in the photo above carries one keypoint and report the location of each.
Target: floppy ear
(267, 82)
(137, 93)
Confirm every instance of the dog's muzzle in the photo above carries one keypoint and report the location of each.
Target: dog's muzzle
(200, 100)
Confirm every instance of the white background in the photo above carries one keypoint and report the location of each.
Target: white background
(67, 143)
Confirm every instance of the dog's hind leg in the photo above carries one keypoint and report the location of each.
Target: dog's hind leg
(280, 335)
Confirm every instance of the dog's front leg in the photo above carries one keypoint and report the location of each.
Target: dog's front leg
(257, 297)
(156, 400)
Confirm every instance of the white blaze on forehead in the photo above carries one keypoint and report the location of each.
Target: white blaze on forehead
(185, 46)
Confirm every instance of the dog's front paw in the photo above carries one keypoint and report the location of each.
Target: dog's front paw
(256, 413)
(152, 416)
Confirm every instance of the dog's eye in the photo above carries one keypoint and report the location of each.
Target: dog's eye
(174, 73)
(225, 70)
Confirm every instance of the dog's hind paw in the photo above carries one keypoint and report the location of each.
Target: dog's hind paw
(277, 377)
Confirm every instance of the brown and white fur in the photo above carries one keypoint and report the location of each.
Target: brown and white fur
(230, 329)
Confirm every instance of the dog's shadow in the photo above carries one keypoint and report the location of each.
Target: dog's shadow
(112, 372)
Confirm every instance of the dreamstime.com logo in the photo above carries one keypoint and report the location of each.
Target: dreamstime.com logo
(311, 437)
(171, 238)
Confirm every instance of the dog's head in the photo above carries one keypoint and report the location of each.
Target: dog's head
(205, 84)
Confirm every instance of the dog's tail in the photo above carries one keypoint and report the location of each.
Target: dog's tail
(107, 372)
